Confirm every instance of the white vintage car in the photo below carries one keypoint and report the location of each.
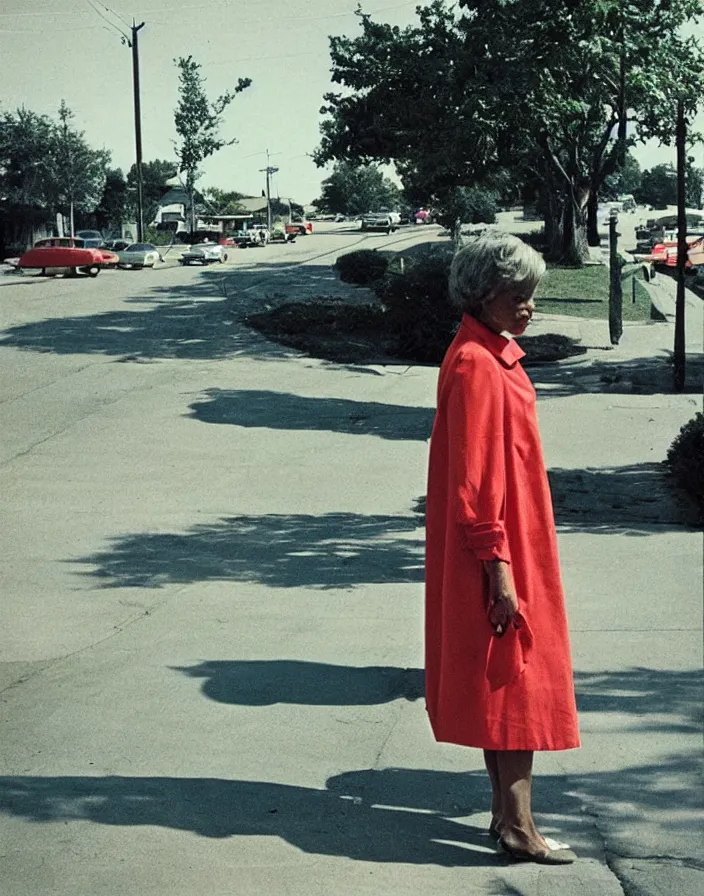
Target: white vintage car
(138, 255)
(204, 253)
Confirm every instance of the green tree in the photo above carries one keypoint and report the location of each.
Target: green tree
(694, 187)
(155, 174)
(25, 159)
(659, 187)
(198, 122)
(77, 172)
(626, 179)
(355, 189)
(223, 202)
(547, 87)
(111, 211)
(466, 205)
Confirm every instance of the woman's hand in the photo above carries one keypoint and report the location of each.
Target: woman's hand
(503, 603)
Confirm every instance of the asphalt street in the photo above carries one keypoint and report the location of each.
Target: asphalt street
(211, 561)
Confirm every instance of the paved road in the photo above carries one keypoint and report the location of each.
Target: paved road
(211, 562)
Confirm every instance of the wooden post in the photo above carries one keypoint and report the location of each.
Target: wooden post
(615, 289)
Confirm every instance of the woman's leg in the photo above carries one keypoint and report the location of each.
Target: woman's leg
(518, 830)
(492, 767)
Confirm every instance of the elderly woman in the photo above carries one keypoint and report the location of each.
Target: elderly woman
(498, 669)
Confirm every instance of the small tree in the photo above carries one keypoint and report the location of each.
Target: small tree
(198, 122)
(466, 205)
(224, 202)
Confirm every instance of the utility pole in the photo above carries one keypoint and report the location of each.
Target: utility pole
(269, 171)
(679, 347)
(133, 42)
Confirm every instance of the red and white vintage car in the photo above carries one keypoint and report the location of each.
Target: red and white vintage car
(66, 255)
(665, 252)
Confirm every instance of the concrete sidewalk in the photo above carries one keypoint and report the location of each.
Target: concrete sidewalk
(214, 635)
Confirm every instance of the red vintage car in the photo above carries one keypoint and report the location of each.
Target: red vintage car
(66, 255)
(665, 253)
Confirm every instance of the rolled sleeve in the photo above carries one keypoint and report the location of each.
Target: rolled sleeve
(475, 414)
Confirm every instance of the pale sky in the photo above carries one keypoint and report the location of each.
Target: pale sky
(63, 49)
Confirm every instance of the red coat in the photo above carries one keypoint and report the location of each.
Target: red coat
(488, 496)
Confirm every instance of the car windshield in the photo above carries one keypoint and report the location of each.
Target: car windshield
(139, 247)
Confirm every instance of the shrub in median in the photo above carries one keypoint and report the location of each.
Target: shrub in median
(363, 267)
(685, 458)
(418, 310)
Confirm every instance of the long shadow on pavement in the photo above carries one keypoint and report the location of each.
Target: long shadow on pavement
(320, 822)
(283, 410)
(659, 700)
(403, 815)
(332, 550)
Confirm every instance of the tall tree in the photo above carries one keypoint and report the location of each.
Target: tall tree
(77, 171)
(355, 189)
(25, 159)
(111, 211)
(544, 86)
(198, 122)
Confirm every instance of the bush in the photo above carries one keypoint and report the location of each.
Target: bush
(685, 459)
(365, 266)
(418, 310)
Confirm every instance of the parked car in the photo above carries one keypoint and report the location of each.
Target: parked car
(379, 221)
(253, 236)
(63, 255)
(116, 245)
(299, 228)
(92, 239)
(138, 256)
(204, 253)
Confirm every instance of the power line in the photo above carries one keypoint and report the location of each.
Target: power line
(95, 8)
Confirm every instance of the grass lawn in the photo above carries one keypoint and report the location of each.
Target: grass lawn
(584, 292)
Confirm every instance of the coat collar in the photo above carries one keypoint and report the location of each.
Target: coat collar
(507, 350)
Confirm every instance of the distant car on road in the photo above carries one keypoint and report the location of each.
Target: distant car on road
(380, 221)
(138, 255)
(257, 235)
(299, 228)
(204, 253)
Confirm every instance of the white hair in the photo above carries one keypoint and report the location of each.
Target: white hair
(490, 264)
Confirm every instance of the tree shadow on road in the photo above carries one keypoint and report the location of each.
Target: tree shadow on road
(652, 375)
(634, 497)
(653, 700)
(284, 410)
(318, 822)
(413, 816)
(267, 682)
(332, 550)
(198, 319)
